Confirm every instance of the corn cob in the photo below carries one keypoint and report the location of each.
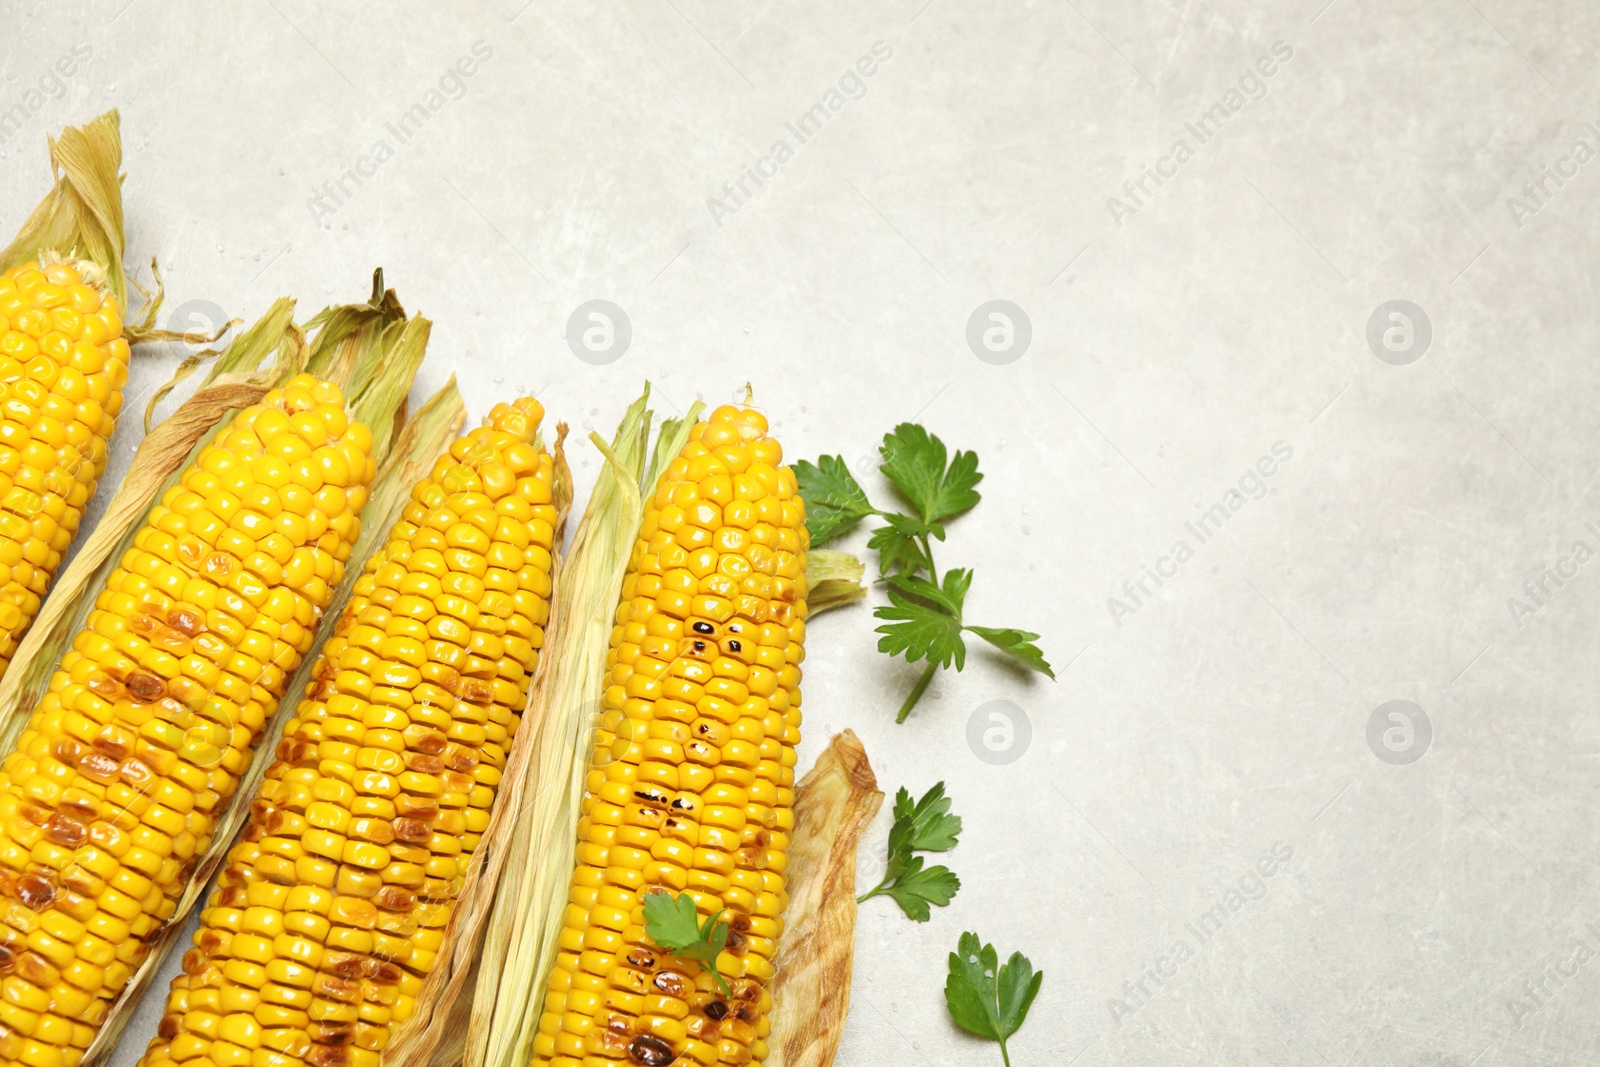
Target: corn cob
(126, 762)
(63, 364)
(690, 788)
(333, 906)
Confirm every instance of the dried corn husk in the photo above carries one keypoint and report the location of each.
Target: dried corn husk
(80, 221)
(81, 218)
(833, 579)
(259, 359)
(811, 992)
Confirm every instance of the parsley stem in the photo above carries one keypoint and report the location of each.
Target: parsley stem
(927, 675)
(916, 693)
(999, 1012)
(927, 556)
(727, 992)
(874, 891)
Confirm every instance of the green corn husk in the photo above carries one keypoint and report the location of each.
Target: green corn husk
(372, 353)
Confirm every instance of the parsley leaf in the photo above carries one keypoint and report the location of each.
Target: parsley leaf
(916, 888)
(956, 583)
(986, 999)
(914, 461)
(923, 619)
(947, 598)
(900, 544)
(673, 923)
(919, 632)
(925, 826)
(1018, 644)
(834, 500)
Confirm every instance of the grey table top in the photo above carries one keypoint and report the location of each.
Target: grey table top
(1201, 216)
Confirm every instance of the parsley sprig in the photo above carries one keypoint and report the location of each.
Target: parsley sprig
(674, 924)
(985, 998)
(926, 826)
(923, 619)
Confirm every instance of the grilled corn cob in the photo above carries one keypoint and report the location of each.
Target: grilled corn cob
(63, 363)
(333, 906)
(690, 788)
(116, 782)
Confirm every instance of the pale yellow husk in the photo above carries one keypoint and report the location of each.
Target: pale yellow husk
(811, 992)
(833, 579)
(81, 217)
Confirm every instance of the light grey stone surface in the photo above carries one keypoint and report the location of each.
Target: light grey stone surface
(1228, 312)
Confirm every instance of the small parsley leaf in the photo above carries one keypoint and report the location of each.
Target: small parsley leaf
(917, 588)
(957, 581)
(985, 998)
(674, 924)
(834, 500)
(899, 544)
(1018, 644)
(914, 461)
(923, 826)
(916, 888)
(896, 551)
(918, 632)
(927, 825)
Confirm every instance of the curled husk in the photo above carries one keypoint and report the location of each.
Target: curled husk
(811, 992)
(834, 580)
(80, 220)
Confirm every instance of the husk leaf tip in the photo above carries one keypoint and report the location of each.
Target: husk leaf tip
(81, 217)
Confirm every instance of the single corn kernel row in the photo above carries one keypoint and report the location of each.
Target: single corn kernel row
(691, 787)
(63, 363)
(332, 908)
(128, 761)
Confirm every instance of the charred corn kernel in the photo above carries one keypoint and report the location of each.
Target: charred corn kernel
(693, 765)
(117, 780)
(375, 781)
(63, 362)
